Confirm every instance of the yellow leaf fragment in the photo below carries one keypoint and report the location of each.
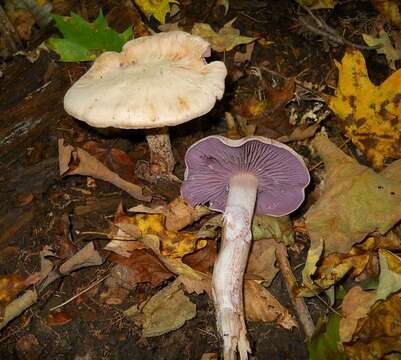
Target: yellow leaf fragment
(389, 9)
(392, 54)
(225, 40)
(370, 114)
(156, 8)
(318, 4)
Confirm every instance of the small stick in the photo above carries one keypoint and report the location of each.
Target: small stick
(97, 282)
(291, 284)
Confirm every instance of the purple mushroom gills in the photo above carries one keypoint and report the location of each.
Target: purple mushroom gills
(240, 178)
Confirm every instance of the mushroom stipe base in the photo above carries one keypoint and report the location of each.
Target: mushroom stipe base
(229, 270)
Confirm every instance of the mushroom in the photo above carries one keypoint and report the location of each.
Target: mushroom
(238, 178)
(156, 81)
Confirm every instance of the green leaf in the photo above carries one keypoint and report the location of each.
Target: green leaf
(84, 41)
(324, 344)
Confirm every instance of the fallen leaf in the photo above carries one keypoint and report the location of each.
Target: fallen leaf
(179, 214)
(369, 114)
(225, 4)
(225, 39)
(354, 202)
(156, 8)
(387, 48)
(170, 27)
(260, 305)
(332, 269)
(389, 9)
(166, 311)
(23, 22)
(379, 333)
(263, 227)
(141, 266)
(301, 132)
(261, 262)
(87, 256)
(203, 259)
(17, 306)
(240, 57)
(169, 246)
(209, 356)
(325, 343)
(58, 318)
(358, 303)
(84, 41)
(198, 286)
(88, 165)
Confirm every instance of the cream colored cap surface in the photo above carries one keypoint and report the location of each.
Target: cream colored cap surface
(159, 80)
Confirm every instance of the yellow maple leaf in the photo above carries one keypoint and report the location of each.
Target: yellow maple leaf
(156, 8)
(369, 114)
(225, 40)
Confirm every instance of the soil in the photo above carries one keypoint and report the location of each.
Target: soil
(33, 119)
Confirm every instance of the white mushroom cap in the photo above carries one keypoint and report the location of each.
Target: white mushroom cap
(159, 80)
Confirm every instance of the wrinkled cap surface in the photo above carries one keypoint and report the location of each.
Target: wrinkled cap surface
(211, 162)
(159, 80)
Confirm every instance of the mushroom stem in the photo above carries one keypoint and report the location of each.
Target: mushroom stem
(231, 263)
(161, 154)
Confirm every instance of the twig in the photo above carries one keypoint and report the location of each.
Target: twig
(325, 30)
(291, 284)
(97, 282)
(8, 31)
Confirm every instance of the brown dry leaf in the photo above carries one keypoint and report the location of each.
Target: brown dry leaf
(356, 305)
(389, 9)
(58, 318)
(141, 266)
(23, 22)
(166, 311)
(204, 259)
(197, 286)
(240, 57)
(369, 114)
(87, 256)
(169, 246)
(261, 261)
(378, 334)
(179, 214)
(225, 39)
(260, 305)
(318, 4)
(209, 356)
(301, 132)
(355, 201)
(332, 269)
(76, 161)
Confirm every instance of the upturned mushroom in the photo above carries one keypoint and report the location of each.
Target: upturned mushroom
(156, 81)
(238, 178)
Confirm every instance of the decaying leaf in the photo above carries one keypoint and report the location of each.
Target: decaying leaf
(369, 114)
(169, 246)
(156, 8)
(263, 227)
(260, 305)
(75, 161)
(387, 49)
(358, 303)
(58, 318)
(19, 305)
(379, 333)
(141, 266)
(389, 9)
(261, 262)
(354, 202)
(203, 259)
(87, 256)
(333, 268)
(225, 39)
(325, 342)
(166, 311)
